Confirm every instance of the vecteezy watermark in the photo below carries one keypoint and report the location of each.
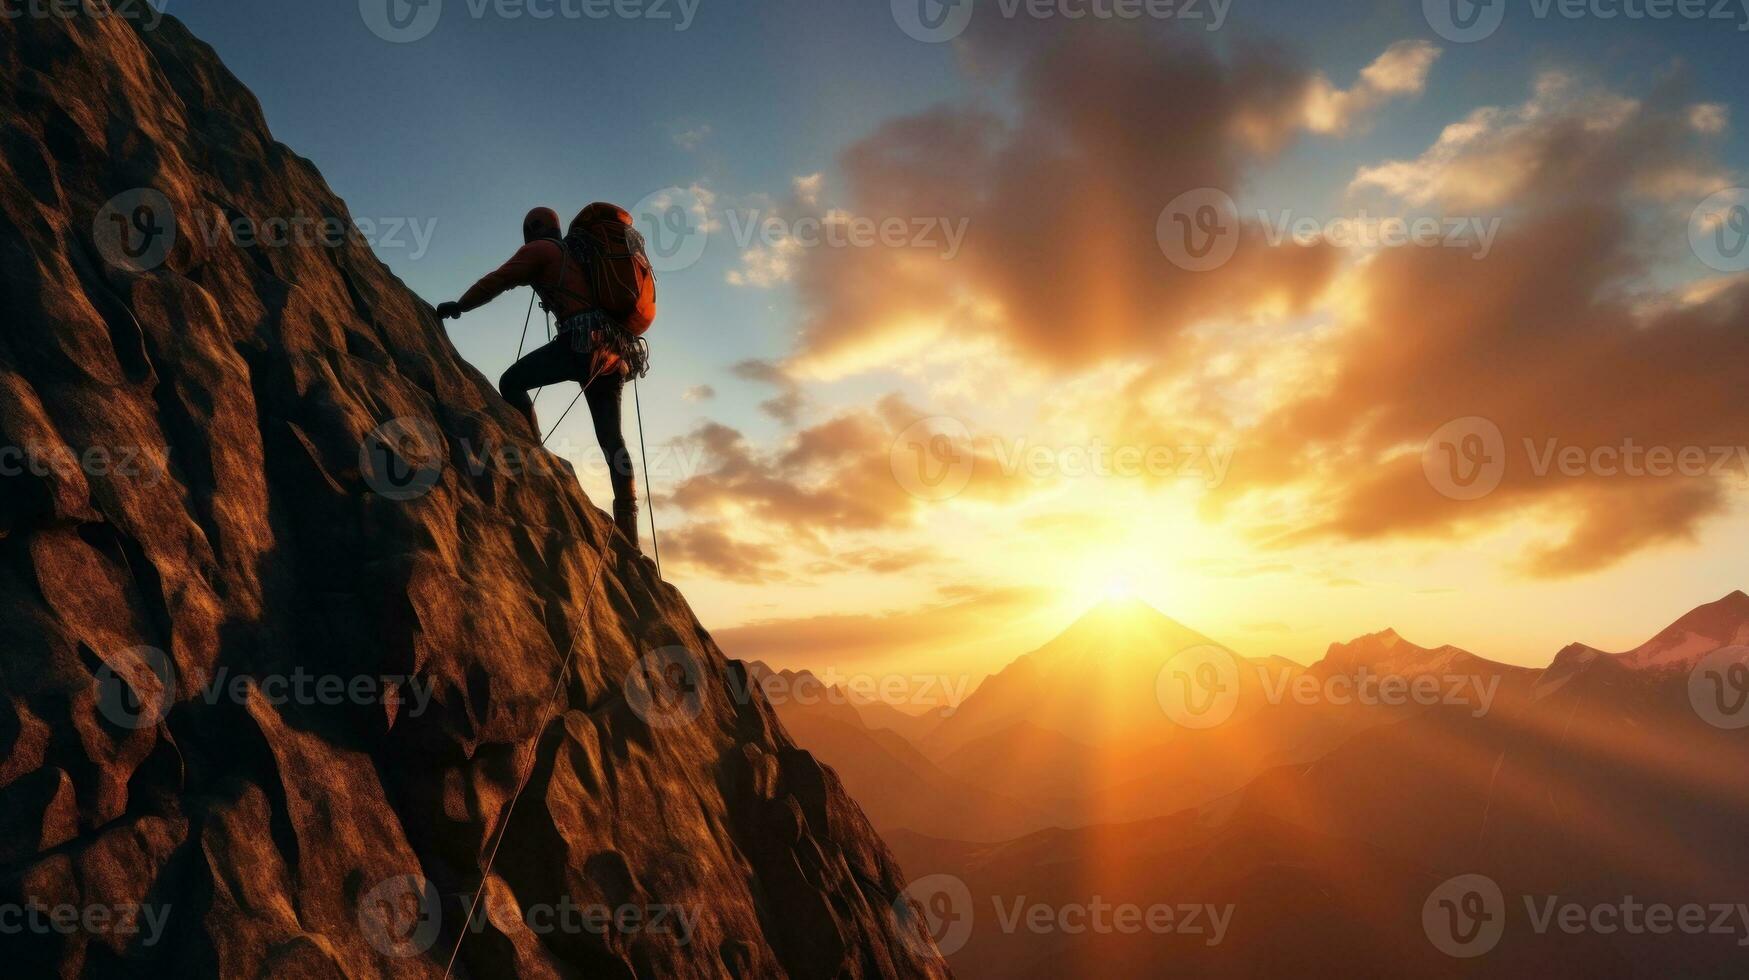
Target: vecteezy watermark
(938, 21)
(136, 688)
(935, 913)
(934, 459)
(147, 13)
(1718, 231)
(1467, 458)
(832, 686)
(666, 687)
(298, 230)
(1203, 686)
(1468, 21)
(140, 923)
(406, 21)
(1467, 916)
(403, 458)
(939, 910)
(674, 462)
(146, 467)
(1201, 230)
(135, 230)
(677, 224)
(837, 229)
(403, 916)
(1473, 234)
(1718, 687)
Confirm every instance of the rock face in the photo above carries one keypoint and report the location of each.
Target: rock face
(287, 591)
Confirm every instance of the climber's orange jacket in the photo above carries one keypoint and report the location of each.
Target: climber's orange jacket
(548, 267)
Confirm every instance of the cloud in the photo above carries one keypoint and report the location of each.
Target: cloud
(699, 393)
(1551, 338)
(692, 138)
(1400, 71)
(766, 266)
(836, 639)
(697, 198)
(835, 476)
(786, 406)
(1567, 136)
(706, 548)
(1060, 263)
(881, 561)
(807, 188)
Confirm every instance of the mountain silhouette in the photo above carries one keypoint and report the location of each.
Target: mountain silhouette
(1595, 783)
(893, 781)
(300, 498)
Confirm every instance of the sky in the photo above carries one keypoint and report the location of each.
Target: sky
(1296, 323)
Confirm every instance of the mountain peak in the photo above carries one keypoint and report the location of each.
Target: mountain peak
(1126, 612)
(1702, 630)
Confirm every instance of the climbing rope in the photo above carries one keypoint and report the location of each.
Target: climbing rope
(644, 453)
(527, 318)
(528, 769)
(561, 421)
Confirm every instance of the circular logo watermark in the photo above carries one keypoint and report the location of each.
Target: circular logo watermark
(136, 687)
(935, 909)
(666, 687)
(933, 458)
(1199, 687)
(1718, 231)
(933, 21)
(1464, 21)
(402, 459)
(401, 21)
(1199, 230)
(1465, 916)
(401, 916)
(1465, 459)
(135, 230)
(1718, 687)
(675, 223)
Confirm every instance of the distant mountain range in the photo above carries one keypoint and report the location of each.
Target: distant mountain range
(1326, 804)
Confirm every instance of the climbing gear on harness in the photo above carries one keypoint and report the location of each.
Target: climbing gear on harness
(594, 333)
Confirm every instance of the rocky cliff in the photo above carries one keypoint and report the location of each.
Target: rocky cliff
(283, 633)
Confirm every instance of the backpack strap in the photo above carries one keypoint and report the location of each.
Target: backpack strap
(565, 260)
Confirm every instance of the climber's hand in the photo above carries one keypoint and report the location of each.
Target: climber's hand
(449, 311)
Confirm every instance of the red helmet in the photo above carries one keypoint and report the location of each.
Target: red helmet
(540, 223)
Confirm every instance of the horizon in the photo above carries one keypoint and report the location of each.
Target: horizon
(1123, 604)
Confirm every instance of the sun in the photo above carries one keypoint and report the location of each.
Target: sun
(1118, 587)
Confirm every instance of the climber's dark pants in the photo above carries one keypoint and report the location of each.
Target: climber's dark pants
(558, 362)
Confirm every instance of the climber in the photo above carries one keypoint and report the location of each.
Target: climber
(584, 350)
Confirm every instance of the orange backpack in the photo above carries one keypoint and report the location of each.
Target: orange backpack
(621, 280)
